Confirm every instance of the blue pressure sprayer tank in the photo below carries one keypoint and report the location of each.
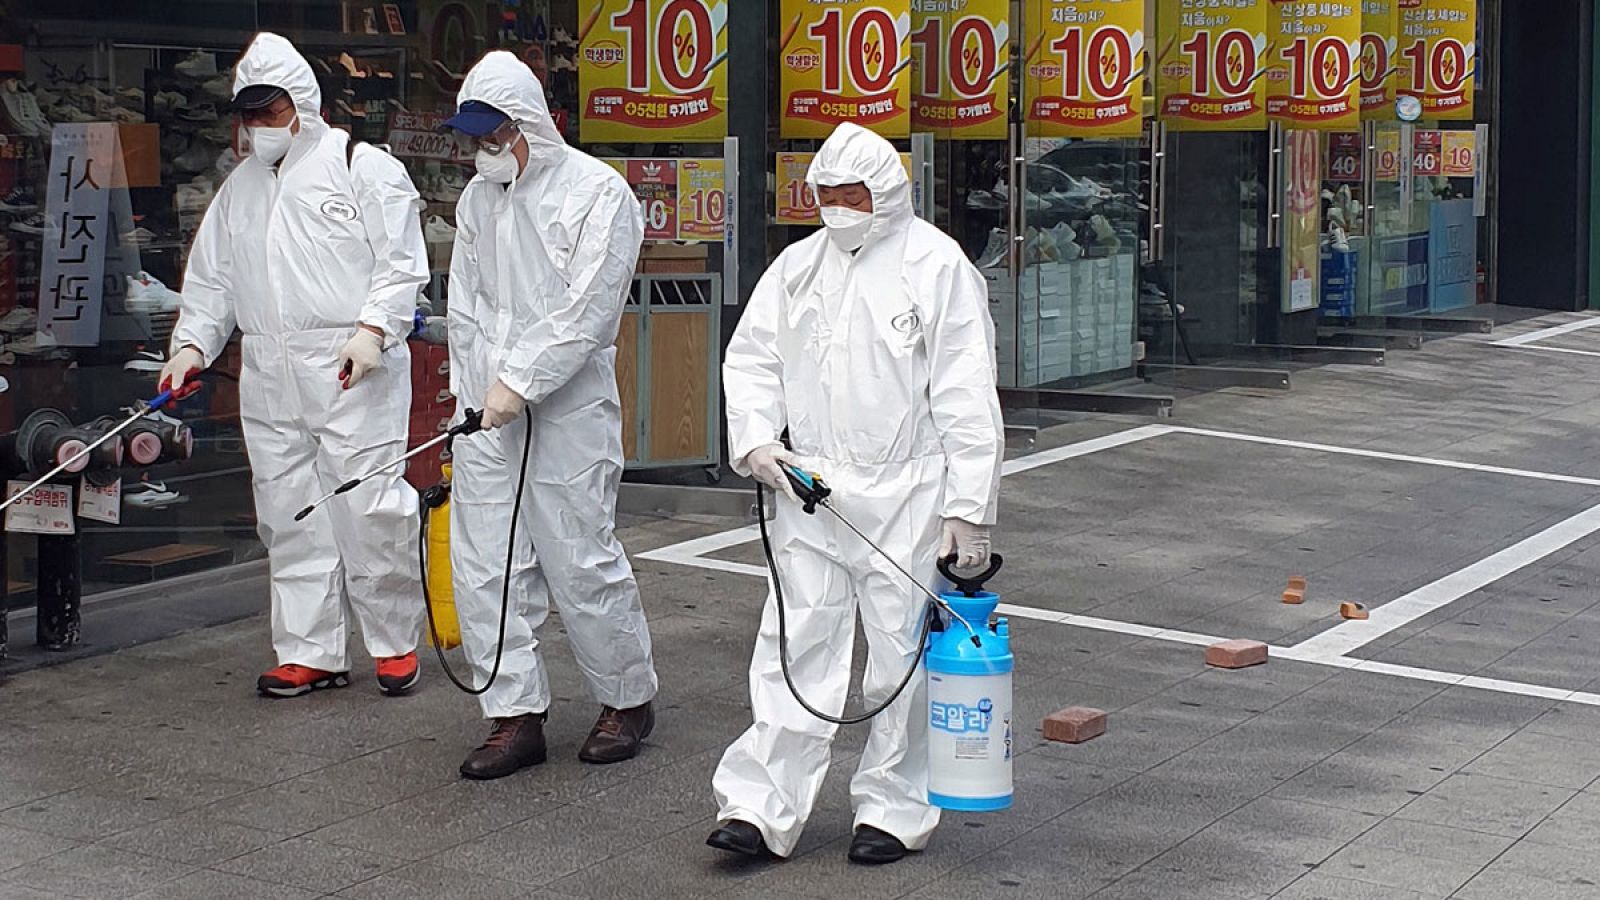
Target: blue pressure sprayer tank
(969, 701)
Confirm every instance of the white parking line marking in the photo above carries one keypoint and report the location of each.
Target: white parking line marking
(1522, 340)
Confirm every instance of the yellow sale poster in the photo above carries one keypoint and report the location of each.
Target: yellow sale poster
(797, 205)
(1315, 79)
(702, 199)
(1380, 58)
(651, 70)
(845, 61)
(1083, 70)
(1439, 56)
(1460, 154)
(1212, 63)
(960, 61)
(1386, 159)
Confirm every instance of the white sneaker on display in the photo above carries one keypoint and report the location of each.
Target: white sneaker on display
(450, 187)
(194, 196)
(147, 294)
(204, 112)
(994, 253)
(141, 236)
(20, 320)
(220, 87)
(1341, 241)
(152, 499)
(438, 231)
(33, 224)
(198, 64)
(149, 361)
(167, 101)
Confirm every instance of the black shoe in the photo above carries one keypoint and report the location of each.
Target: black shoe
(513, 744)
(737, 836)
(874, 847)
(617, 734)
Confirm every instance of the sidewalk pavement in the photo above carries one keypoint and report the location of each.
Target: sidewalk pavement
(1450, 747)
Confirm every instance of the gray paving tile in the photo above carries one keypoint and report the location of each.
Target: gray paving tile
(310, 865)
(1569, 720)
(96, 872)
(427, 881)
(84, 816)
(551, 846)
(207, 884)
(1429, 860)
(1556, 864)
(1321, 886)
(1576, 825)
(1349, 781)
(421, 826)
(1541, 759)
(681, 865)
(1489, 805)
(293, 808)
(19, 846)
(386, 776)
(198, 839)
(1498, 884)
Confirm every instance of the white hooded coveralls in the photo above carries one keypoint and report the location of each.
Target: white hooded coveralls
(881, 366)
(296, 256)
(540, 273)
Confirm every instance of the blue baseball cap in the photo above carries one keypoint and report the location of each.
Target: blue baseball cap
(476, 119)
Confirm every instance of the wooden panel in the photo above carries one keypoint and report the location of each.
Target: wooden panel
(628, 383)
(679, 391)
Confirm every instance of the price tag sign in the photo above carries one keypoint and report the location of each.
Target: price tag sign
(1344, 158)
(1380, 48)
(960, 59)
(797, 204)
(1084, 69)
(1438, 56)
(1315, 81)
(1427, 153)
(1212, 66)
(46, 510)
(1460, 154)
(100, 504)
(845, 61)
(649, 68)
(416, 136)
(702, 199)
(1386, 159)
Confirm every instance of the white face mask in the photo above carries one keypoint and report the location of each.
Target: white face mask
(848, 227)
(270, 144)
(500, 168)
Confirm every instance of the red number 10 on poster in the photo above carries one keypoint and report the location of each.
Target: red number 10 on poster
(1085, 72)
(652, 67)
(848, 62)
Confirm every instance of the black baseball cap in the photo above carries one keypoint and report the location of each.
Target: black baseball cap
(257, 96)
(476, 119)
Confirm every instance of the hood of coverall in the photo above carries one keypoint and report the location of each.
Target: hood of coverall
(506, 83)
(853, 154)
(272, 60)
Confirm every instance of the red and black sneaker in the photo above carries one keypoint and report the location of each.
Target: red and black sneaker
(291, 680)
(398, 674)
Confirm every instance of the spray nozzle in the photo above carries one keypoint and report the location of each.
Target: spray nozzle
(808, 486)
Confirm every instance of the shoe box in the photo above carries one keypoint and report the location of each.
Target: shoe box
(1341, 278)
(431, 409)
(1073, 318)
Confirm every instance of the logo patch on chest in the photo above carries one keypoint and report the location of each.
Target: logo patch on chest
(906, 323)
(340, 210)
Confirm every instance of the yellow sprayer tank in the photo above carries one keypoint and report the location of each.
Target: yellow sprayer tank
(440, 593)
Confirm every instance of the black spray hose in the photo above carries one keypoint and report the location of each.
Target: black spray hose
(928, 619)
(505, 588)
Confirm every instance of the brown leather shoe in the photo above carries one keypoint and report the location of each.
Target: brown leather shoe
(513, 744)
(617, 734)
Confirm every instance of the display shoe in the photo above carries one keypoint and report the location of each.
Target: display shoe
(290, 680)
(874, 847)
(398, 674)
(198, 64)
(438, 231)
(147, 294)
(20, 199)
(739, 836)
(514, 743)
(33, 224)
(617, 734)
(994, 253)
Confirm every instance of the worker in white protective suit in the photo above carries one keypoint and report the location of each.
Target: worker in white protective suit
(546, 244)
(314, 250)
(870, 343)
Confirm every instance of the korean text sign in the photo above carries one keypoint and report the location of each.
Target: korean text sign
(845, 61)
(1212, 64)
(1084, 69)
(654, 70)
(1315, 80)
(1439, 56)
(961, 57)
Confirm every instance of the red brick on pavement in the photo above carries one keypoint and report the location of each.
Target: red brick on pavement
(1074, 725)
(1236, 654)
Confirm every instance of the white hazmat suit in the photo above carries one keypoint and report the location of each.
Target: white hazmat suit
(540, 273)
(296, 256)
(881, 366)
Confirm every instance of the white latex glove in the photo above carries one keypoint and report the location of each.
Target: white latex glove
(502, 406)
(360, 357)
(969, 542)
(176, 373)
(764, 466)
